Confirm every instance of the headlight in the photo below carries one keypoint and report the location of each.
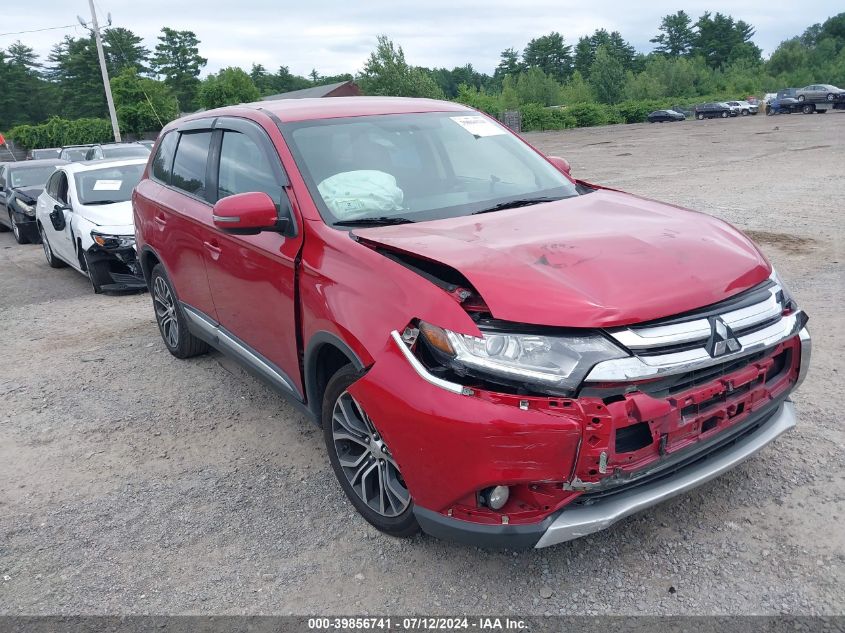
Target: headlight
(785, 297)
(28, 209)
(551, 363)
(112, 241)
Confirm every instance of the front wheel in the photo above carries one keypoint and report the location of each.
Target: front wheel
(362, 462)
(20, 238)
(801, 98)
(171, 321)
(830, 97)
(724, 115)
(744, 113)
(699, 116)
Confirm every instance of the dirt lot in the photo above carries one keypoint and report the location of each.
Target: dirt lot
(132, 482)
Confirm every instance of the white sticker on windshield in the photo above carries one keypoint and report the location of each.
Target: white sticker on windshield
(108, 185)
(478, 125)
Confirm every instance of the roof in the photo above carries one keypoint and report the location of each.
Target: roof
(92, 165)
(289, 110)
(307, 93)
(43, 162)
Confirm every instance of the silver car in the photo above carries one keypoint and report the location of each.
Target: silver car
(820, 92)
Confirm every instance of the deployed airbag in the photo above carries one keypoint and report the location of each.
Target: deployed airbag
(360, 193)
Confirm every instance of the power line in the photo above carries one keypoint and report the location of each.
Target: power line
(49, 28)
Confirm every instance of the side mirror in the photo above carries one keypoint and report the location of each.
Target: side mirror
(249, 214)
(561, 163)
(57, 217)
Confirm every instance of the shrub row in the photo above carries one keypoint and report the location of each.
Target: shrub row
(57, 132)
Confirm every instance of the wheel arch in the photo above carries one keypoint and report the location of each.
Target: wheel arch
(324, 355)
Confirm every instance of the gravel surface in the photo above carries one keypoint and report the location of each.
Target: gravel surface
(132, 482)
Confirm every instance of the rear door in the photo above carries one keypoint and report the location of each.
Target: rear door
(252, 277)
(174, 211)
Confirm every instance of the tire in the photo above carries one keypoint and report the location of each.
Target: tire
(807, 109)
(54, 261)
(744, 113)
(699, 116)
(801, 98)
(20, 238)
(179, 341)
(725, 115)
(368, 464)
(831, 96)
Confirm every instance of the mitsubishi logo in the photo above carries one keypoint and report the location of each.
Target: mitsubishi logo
(722, 340)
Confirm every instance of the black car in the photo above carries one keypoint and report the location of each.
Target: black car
(660, 116)
(20, 185)
(712, 111)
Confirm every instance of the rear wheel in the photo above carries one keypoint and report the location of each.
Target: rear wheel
(362, 461)
(744, 113)
(724, 115)
(807, 109)
(54, 261)
(801, 98)
(171, 321)
(699, 116)
(830, 96)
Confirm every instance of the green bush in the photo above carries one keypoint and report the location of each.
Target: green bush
(57, 132)
(536, 118)
(638, 111)
(591, 114)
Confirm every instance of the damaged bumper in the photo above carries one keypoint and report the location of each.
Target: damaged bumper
(117, 269)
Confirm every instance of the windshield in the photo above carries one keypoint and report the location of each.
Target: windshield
(129, 151)
(107, 185)
(74, 153)
(415, 167)
(44, 153)
(22, 177)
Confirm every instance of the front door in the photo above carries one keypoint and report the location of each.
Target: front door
(252, 277)
(56, 217)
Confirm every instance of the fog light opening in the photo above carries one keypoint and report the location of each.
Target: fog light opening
(496, 497)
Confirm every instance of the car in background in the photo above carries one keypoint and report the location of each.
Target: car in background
(74, 153)
(661, 116)
(115, 151)
(712, 111)
(84, 218)
(819, 92)
(45, 152)
(743, 107)
(496, 352)
(147, 143)
(20, 185)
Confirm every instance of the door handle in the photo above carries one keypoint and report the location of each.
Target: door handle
(160, 218)
(213, 247)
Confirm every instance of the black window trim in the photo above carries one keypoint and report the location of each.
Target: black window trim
(194, 129)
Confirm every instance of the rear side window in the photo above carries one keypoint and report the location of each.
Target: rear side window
(190, 162)
(244, 167)
(163, 162)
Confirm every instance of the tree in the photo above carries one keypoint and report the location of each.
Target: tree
(535, 86)
(549, 54)
(387, 73)
(124, 49)
(576, 90)
(228, 87)
(75, 69)
(716, 37)
(617, 47)
(509, 64)
(676, 35)
(142, 104)
(607, 76)
(177, 58)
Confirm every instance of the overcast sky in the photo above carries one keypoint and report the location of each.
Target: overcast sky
(336, 36)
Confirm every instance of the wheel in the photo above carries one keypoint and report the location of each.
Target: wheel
(820, 111)
(830, 96)
(724, 115)
(362, 462)
(801, 98)
(54, 261)
(744, 113)
(807, 109)
(699, 116)
(171, 321)
(19, 237)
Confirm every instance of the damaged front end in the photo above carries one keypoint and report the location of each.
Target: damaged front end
(113, 263)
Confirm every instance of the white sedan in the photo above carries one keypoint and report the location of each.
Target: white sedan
(84, 217)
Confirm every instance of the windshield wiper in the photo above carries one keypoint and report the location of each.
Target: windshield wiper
(379, 221)
(520, 202)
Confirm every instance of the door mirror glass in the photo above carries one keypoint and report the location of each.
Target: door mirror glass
(249, 214)
(561, 163)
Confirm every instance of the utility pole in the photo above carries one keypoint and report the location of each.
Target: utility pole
(104, 70)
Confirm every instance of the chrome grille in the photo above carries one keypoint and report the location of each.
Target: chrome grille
(680, 344)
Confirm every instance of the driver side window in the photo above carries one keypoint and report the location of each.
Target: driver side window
(61, 187)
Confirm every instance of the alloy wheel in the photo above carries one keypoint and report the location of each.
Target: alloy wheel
(365, 459)
(165, 308)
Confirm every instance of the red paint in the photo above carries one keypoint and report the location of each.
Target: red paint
(602, 259)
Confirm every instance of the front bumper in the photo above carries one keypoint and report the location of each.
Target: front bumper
(27, 226)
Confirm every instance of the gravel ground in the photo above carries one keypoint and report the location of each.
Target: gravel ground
(132, 482)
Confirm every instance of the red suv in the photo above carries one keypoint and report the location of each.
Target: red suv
(496, 352)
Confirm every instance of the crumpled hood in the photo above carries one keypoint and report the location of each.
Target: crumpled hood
(28, 194)
(600, 260)
(117, 214)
